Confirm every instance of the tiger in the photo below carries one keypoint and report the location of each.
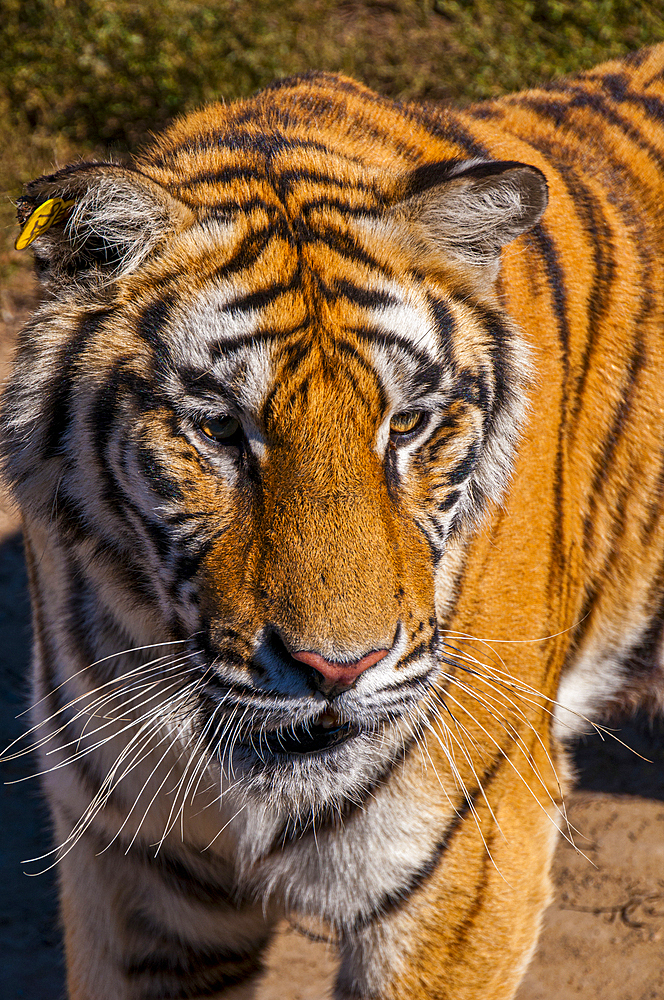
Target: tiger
(337, 443)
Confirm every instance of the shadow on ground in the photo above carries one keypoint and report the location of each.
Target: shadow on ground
(29, 938)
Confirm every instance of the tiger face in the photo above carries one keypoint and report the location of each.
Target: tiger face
(308, 421)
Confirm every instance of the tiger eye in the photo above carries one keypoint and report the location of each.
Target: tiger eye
(220, 429)
(406, 421)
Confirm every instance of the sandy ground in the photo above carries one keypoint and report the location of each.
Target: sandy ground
(603, 934)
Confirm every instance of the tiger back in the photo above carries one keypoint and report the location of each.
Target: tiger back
(337, 443)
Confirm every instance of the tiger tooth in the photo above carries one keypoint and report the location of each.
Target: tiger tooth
(328, 719)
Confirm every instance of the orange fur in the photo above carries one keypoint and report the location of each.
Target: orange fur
(334, 260)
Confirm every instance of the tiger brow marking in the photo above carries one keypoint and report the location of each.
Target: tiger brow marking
(368, 298)
(252, 247)
(262, 297)
(379, 337)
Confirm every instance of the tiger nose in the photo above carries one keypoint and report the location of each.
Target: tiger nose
(335, 674)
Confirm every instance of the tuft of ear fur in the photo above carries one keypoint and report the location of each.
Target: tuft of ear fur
(118, 218)
(470, 210)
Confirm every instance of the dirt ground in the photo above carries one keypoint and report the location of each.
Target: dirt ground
(603, 934)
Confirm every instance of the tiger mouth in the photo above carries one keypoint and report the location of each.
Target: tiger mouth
(307, 739)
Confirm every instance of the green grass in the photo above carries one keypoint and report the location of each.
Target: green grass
(82, 76)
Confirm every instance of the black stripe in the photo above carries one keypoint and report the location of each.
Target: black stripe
(346, 245)
(449, 501)
(415, 654)
(284, 179)
(445, 324)
(558, 111)
(367, 298)
(443, 122)
(227, 211)
(502, 340)
(545, 245)
(259, 299)
(434, 174)
(344, 348)
(435, 550)
(396, 899)
(60, 392)
(654, 511)
(158, 477)
(636, 58)
(616, 85)
(247, 254)
(463, 468)
(268, 144)
(69, 516)
(480, 885)
(615, 434)
(590, 213)
(223, 348)
(152, 321)
(540, 239)
(229, 175)
(188, 563)
(113, 495)
(56, 699)
(378, 337)
(209, 882)
(472, 388)
(189, 972)
(329, 202)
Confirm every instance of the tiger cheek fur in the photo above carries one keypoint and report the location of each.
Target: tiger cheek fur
(321, 406)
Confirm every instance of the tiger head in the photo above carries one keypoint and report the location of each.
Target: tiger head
(276, 390)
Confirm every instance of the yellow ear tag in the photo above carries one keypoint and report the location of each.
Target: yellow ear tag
(48, 213)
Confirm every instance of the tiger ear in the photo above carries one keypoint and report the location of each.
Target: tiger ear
(470, 210)
(94, 221)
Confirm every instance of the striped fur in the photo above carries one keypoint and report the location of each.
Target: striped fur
(316, 377)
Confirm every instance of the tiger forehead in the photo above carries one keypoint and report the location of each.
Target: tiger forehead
(277, 164)
(249, 340)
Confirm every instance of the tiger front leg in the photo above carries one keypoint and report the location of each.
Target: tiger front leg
(146, 926)
(468, 925)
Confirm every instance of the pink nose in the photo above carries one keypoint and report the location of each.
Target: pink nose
(339, 674)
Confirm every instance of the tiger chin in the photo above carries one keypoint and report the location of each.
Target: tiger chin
(337, 441)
